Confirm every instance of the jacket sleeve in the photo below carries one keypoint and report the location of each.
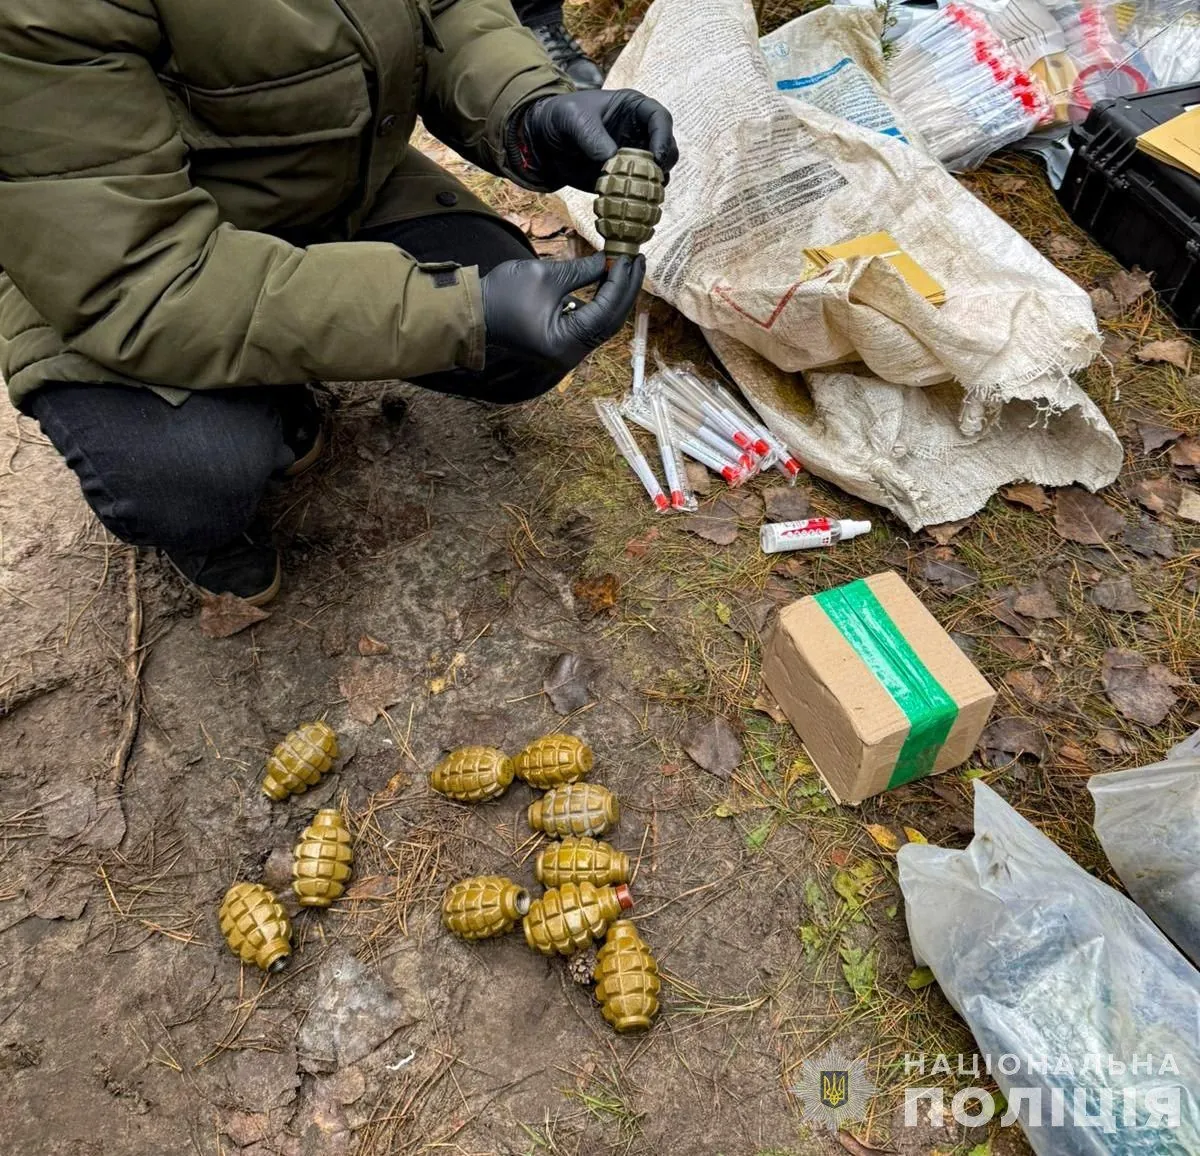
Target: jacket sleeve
(104, 234)
(483, 67)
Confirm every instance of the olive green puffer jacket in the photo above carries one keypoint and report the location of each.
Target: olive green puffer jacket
(154, 154)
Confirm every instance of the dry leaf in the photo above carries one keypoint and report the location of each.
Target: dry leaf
(855, 1146)
(544, 225)
(1150, 538)
(945, 533)
(745, 504)
(1085, 518)
(1157, 495)
(369, 688)
(949, 575)
(714, 746)
(1072, 753)
(597, 595)
(786, 503)
(1175, 351)
(1018, 648)
(639, 547)
(914, 836)
(1009, 738)
(1154, 437)
(1000, 606)
(370, 647)
(1063, 248)
(1026, 684)
(1128, 287)
(883, 836)
(1115, 347)
(1141, 691)
(699, 478)
(1007, 183)
(1104, 304)
(1028, 494)
(719, 527)
(1118, 594)
(1189, 506)
(839, 857)
(1036, 601)
(227, 615)
(765, 702)
(568, 682)
(1186, 452)
(1113, 743)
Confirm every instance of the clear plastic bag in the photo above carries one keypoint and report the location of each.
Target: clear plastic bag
(1051, 966)
(1148, 821)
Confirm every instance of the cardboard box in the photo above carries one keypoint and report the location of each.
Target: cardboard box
(879, 693)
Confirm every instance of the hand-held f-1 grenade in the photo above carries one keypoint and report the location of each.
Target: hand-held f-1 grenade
(322, 860)
(473, 774)
(581, 860)
(300, 760)
(483, 906)
(575, 809)
(553, 760)
(629, 198)
(626, 975)
(255, 926)
(566, 919)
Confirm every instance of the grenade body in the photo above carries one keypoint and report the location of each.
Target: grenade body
(483, 906)
(629, 198)
(627, 982)
(255, 926)
(579, 859)
(554, 760)
(322, 860)
(473, 774)
(300, 760)
(566, 919)
(575, 809)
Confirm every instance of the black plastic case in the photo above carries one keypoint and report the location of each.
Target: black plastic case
(1142, 211)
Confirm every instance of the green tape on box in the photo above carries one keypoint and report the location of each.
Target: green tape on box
(861, 619)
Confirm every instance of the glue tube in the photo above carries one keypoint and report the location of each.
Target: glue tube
(619, 431)
(810, 534)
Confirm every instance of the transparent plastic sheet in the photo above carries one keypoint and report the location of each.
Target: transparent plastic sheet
(1053, 967)
(1148, 821)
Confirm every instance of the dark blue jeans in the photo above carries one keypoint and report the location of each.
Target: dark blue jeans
(191, 477)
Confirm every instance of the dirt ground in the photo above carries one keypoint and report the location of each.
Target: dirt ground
(480, 546)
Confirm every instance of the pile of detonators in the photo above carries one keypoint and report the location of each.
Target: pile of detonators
(586, 880)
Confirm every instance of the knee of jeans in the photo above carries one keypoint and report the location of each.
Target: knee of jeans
(196, 505)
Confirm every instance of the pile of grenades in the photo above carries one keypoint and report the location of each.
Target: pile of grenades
(253, 921)
(586, 881)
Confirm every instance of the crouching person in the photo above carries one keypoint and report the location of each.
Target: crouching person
(205, 206)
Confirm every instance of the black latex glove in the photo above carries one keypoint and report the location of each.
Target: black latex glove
(565, 140)
(528, 307)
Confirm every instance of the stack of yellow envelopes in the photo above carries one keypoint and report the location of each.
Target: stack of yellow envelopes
(881, 245)
(1176, 141)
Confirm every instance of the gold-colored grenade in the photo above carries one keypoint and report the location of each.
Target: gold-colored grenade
(566, 919)
(322, 860)
(626, 975)
(300, 760)
(483, 906)
(629, 198)
(575, 809)
(554, 760)
(473, 774)
(255, 926)
(578, 859)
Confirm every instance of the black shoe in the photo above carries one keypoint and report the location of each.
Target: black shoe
(303, 431)
(567, 53)
(247, 567)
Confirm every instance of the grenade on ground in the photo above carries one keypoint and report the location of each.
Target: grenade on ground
(300, 760)
(255, 926)
(322, 860)
(575, 809)
(483, 906)
(568, 918)
(629, 198)
(473, 774)
(553, 760)
(626, 975)
(578, 859)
